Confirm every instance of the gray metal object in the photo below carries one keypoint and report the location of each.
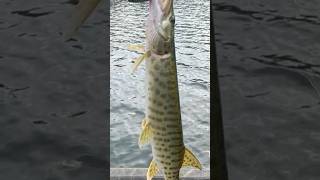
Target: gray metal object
(137, 0)
(140, 174)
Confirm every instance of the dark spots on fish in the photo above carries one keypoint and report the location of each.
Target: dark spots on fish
(158, 139)
(154, 101)
(176, 152)
(167, 63)
(155, 111)
(162, 84)
(172, 126)
(156, 66)
(175, 145)
(172, 112)
(165, 107)
(172, 105)
(154, 126)
(151, 99)
(152, 73)
(163, 96)
(160, 104)
(157, 91)
(172, 97)
(170, 119)
(175, 139)
(161, 156)
(155, 118)
(164, 74)
(168, 157)
(165, 167)
(174, 132)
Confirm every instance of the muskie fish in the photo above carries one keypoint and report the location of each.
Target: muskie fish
(162, 125)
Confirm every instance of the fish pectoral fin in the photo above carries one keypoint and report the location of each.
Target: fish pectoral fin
(152, 170)
(80, 14)
(190, 160)
(136, 47)
(145, 133)
(138, 60)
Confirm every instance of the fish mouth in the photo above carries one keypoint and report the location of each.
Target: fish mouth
(160, 24)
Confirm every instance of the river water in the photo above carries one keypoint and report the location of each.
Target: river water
(268, 53)
(192, 33)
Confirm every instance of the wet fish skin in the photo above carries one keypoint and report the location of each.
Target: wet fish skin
(162, 126)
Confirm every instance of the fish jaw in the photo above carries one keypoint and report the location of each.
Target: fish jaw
(160, 26)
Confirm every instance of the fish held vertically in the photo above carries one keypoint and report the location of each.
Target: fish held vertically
(162, 126)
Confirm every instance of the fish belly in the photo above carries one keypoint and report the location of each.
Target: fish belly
(163, 113)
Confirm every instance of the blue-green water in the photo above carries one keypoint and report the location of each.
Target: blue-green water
(127, 91)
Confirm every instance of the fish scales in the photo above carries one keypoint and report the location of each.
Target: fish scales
(162, 126)
(163, 113)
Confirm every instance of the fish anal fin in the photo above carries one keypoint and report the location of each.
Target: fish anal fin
(190, 160)
(152, 170)
(145, 133)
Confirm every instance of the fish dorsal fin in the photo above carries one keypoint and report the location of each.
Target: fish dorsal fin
(152, 170)
(190, 160)
(83, 9)
(145, 133)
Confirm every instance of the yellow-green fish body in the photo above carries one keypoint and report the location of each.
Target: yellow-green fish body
(162, 126)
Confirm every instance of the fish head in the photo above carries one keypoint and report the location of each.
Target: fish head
(161, 22)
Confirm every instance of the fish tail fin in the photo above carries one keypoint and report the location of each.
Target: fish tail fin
(83, 9)
(190, 159)
(152, 170)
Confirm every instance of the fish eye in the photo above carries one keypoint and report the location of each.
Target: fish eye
(172, 19)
